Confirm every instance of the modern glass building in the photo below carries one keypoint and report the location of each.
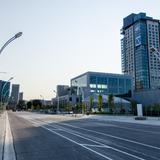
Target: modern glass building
(4, 90)
(62, 90)
(15, 93)
(103, 83)
(21, 96)
(140, 34)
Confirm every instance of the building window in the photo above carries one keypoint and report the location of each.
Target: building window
(92, 91)
(102, 86)
(92, 85)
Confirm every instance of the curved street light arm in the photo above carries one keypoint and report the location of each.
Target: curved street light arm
(57, 100)
(10, 40)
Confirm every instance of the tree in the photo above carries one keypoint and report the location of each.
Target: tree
(83, 108)
(134, 107)
(37, 104)
(156, 109)
(21, 105)
(100, 102)
(68, 107)
(111, 102)
(29, 105)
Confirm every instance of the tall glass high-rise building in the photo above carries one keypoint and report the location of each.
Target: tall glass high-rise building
(4, 90)
(140, 34)
(15, 93)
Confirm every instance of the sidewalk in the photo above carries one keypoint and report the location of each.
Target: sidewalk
(129, 119)
(6, 140)
(2, 133)
(117, 118)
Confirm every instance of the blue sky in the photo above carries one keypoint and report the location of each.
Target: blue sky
(62, 39)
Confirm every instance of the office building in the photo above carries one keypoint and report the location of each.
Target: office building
(15, 93)
(62, 90)
(4, 90)
(66, 96)
(102, 83)
(21, 96)
(140, 34)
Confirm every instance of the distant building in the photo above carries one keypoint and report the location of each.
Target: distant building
(4, 90)
(47, 102)
(21, 96)
(15, 93)
(62, 90)
(64, 101)
(140, 34)
(92, 83)
(102, 83)
(66, 96)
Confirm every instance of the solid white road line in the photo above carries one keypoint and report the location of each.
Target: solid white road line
(9, 153)
(99, 139)
(108, 135)
(75, 142)
(100, 144)
(100, 133)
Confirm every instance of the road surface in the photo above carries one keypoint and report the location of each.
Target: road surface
(53, 137)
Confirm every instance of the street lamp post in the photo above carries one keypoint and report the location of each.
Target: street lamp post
(5, 97)
(5, 94)
(3, 89)
(80, 93)
(19, 34)
(57, 101)
(43, 102)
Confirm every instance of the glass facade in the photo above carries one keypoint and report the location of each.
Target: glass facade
(141, 56)
(4, 90)
(140, 33)
(104, 83)
(113, 85)
(15, 93)
(80, 81)
(122, 85)
(98, 84)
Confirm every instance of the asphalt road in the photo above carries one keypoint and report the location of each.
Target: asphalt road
(38, 138)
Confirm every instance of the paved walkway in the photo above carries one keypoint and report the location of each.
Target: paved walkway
(2, 133)
(118, 118)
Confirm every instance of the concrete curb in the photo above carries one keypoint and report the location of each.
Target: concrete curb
(2, 136)
(9, 153)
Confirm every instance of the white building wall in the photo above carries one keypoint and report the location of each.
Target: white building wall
(129, 49)
(154, 62)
